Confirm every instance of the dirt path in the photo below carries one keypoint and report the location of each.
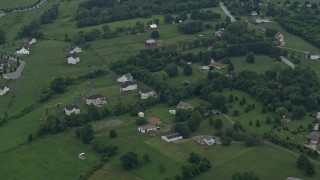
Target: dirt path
(227, 12)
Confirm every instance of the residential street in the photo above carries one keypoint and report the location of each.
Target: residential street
(226, 11)
(16, 74)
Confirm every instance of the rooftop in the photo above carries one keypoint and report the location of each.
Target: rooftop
(128, 83)
(146, 90)
(171, 136)
(71, 107)
(150, 126)
(97, 96)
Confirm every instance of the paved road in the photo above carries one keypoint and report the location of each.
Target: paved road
(231, 121)
(305, 52)
(17, 73)
(226, 11)
(287, 62)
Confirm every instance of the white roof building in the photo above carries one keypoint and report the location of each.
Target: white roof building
(153, 26)
(23, 51)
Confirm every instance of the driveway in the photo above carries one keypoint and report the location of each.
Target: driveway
(226, 11)
(17, 73)
(287, 62)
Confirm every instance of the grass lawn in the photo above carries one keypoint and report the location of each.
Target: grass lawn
(54, 157)
(261, 64)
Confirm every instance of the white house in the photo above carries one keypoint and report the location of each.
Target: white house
(184, 105)
(29, 41)
(71, 109)
(279, 37)
(73, 58)
(150, 42)
(22, 51)
(153, 26)
(125, 78)
(172, 137)
(75, 49)
(128, 86)
(3, 89)
(254, 13)
(147, 128)
(141, 114)
(313, 55)
(206, 140)
(146, 92)
(2, 13)
(97, 100)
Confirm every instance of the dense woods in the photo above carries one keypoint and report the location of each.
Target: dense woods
(95, 12)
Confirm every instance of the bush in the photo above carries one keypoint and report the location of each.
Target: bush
(141, 121)
(226, 141)
(112, 134)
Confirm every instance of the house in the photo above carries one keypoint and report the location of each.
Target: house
(125, 78)
(316, 127)
(318, 116)
(218, 33)
(98, 100)
(184, 105)
(292, 178)
(2, 13)
(313, 55)
(128, 86)
(150, 42)
(22, 51)
(172, 137)
(210, 48)
(153, 26)
(75, 49)
(172, 111)
(313, 138)
(71, 109)
(4, 64)
(72, 58)
(147, 128)
(29, 40)
(3, 89)
(82, 156)
(258, 20)
(216, 65)
(206, 140)
(145, 93)
(254, 13)
(141, 114)
(279, 37)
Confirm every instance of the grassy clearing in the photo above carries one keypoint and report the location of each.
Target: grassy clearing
(261, 64)
(54, 157)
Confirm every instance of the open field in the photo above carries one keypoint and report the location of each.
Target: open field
(261, 64)
(50, 157)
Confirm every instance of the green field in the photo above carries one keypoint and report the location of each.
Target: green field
(261, 64)
(51, 157)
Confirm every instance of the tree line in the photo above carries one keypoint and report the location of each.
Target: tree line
(94, 12)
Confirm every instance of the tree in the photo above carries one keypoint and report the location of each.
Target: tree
(30, 138)
(250, 57)
(252, 140)
(245, 176)
(172, 70)
(3, 35)
(226, 141)
(58, 85)
(218, 124)
(182, 129)
(168, 18)
(155, 34)
(230, 67)
(112, 133)
(146, 157)
(302, 161)
(187, 70)
(87, 134)
(161, 168)
(258, 123)
(194, 158)
(141, 121)
(129, 161)
(309, 169)
(298, 112)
